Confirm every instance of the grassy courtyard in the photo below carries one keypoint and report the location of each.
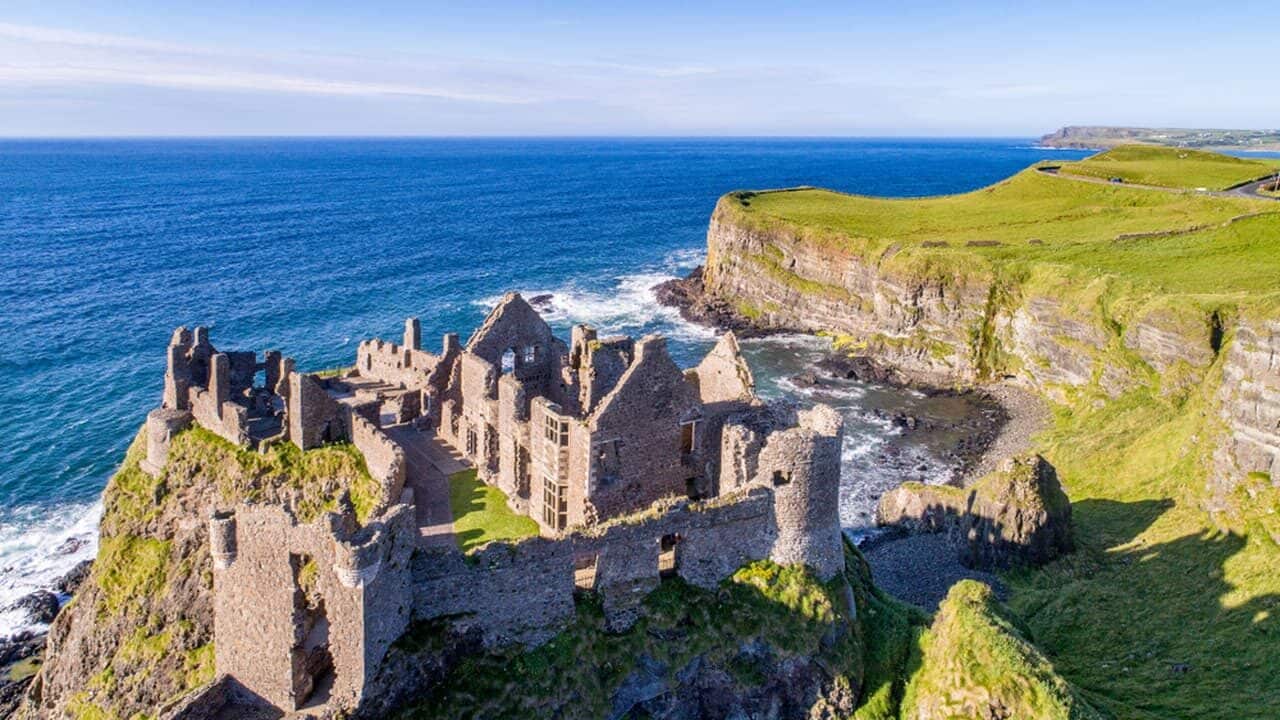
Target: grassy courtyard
(481, 515)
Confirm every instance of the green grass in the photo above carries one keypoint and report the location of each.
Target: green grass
(1171, 167)
(1027, 206)
(481, 515)
(1163, 611)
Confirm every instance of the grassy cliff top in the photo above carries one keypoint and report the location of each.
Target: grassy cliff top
(1176, 241)
(1172, 167)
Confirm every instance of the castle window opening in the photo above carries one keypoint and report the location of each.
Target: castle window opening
(530, 353)
(584, 571)
(522, 471)
(368, 361)
(508, 361)
(490, 442)
(311, 658)
(556, 430)
(688, 436)
(473, 442)
(691, 488)
(781, 477)
(555, 503)
(668, 557)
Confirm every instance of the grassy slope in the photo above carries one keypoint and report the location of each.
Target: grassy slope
(1164, 611)
(1171, 167)
(481, 515)
(904, 667)
(977, 663)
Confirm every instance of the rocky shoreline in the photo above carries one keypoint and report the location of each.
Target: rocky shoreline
(22, 653)
(918, 569)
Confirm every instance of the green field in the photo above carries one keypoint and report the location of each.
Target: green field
(1028, 206)
(1171, 167)
(481, 515)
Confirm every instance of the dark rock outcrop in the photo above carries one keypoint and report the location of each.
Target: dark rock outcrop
(41, 607)
(688, 295)
(74, 578)
(1018, 515)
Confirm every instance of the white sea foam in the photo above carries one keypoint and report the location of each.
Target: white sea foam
(37, 547)
(629, 306)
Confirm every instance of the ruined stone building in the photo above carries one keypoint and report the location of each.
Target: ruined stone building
(634, 470)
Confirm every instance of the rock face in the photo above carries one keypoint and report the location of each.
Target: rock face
(779, 281)
(1250, 406)
(1046, 329)
(1018, 515)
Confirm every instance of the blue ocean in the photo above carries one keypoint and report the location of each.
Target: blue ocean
(311, 245)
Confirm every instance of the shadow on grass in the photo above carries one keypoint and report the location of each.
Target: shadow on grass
(481, 515)
(1159, 629)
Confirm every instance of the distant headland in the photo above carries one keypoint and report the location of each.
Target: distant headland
(1102, 137)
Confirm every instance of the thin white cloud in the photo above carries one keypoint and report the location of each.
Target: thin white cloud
(58, 36)
(252, 82)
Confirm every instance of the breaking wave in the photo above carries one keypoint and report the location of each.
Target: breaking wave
(626, 305)
(38, 545)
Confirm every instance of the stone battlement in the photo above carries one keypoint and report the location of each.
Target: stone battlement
(633, 469)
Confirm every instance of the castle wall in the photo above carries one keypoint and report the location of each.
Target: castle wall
(226, 419)
(524, 592)
(382, 456)
(314, 418)
(395, 364)
(803, 465)
(291, 593)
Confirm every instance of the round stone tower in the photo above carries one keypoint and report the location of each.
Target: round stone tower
(802, 464)
(162, 425)
(222, 539)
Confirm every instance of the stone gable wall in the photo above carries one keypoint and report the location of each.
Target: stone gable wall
(643, 414)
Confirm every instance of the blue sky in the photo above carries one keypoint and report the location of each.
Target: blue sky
(651, 68)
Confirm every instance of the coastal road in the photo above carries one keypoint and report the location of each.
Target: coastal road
(1250, 189)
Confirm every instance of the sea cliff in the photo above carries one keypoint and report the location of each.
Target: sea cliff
(1148, 320)
(932, 313)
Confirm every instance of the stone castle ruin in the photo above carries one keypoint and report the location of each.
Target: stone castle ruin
(633, 469)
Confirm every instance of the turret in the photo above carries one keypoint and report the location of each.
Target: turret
(356, 565)
(162, 425)
(802, 464)
(222, 539)
(412, 334)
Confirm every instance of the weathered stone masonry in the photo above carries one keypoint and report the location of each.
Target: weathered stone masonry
(635, 470)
